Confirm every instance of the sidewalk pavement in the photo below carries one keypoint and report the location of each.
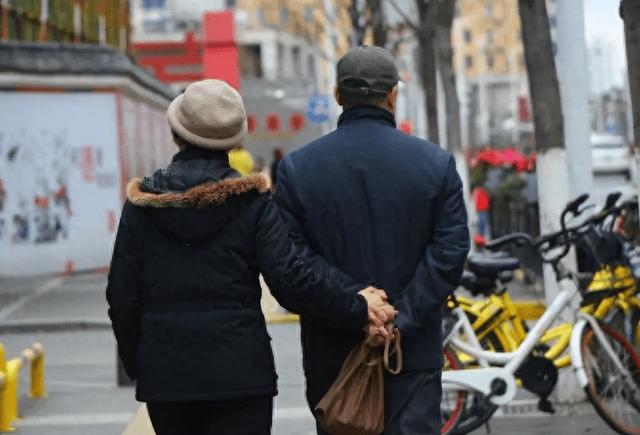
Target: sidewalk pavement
(68, 316)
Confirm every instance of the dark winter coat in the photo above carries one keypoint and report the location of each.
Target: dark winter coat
(383, 207)
(183, 289)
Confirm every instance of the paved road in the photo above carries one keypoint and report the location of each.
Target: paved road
(83, 398)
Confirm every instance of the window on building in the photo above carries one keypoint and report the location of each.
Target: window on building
(250, 60)
(284, 15)
(488, 9)
(231, 4)
(155, 25)
(311, 65)
(490, 62)
(154, 4)
(295, 56)
(309, 16)
(468, 61)
(467, 36)
(280, 61)
(260, 15)
(552, 21)
(489, 37)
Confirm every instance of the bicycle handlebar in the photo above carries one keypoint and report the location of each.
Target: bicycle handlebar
(509, 239)
(574, 205)
(547, 242)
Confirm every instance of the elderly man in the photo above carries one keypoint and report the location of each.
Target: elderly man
(385, 208)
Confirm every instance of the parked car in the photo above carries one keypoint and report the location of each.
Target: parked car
(610, 154)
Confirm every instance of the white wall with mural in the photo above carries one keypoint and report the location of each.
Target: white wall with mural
(60, 180)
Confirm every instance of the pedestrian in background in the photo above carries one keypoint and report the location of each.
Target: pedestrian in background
(482, 202)
(261, 168)
(240, 159)
(278, 155)
(183, 290)
(383, 207)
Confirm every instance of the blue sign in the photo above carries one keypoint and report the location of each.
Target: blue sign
(318, 110)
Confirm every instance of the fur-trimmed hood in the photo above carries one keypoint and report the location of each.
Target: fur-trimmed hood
(202, 196)
(198, 213)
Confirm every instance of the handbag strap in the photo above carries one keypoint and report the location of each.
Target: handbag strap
(397, 350)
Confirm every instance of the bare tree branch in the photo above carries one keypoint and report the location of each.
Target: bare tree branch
(543, 79)
(630, 13)
(428, 12)
(404, 16)
(444, 52)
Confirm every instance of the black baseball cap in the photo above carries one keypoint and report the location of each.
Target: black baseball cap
(367, 70)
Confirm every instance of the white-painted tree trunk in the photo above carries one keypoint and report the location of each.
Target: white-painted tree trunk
(553, 195)
(577, 177)
(463, 170)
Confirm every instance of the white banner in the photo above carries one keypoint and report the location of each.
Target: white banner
(59, 181)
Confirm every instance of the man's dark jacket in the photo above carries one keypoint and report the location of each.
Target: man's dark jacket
(183, 291)
(385, 208)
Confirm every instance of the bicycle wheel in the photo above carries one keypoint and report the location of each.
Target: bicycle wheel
(635, 330)
(615, 397)
(453, 402)
(477, 408)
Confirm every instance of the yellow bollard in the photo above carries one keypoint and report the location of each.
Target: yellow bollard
(3, 360)
(37, 390)
(5, 400)
(13, 372)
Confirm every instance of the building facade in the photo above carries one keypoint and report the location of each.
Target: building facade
(286, 57)
(489, 58)
(84, 120)
(93, 21)
(277, 39)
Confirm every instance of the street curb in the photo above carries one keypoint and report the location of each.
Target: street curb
(529, 408)
(89, 324)
(275, 319)
(53, 325)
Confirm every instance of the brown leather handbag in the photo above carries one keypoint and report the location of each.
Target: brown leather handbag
(354, 405)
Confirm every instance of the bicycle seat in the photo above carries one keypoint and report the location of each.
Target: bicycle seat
(491, 265)
(482, 285)
(468, 279)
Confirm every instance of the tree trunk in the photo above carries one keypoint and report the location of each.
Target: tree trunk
(543, 79)
(444, 50)
(552, 168)
(427, 11)
(630, 13)
(357, 27)
(378, 27)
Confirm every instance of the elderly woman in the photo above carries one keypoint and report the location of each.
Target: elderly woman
(184, 293)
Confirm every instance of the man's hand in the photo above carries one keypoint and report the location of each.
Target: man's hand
(380, 311)
(376, 336)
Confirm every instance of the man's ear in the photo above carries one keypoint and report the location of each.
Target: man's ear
(392, 97)
(336, 94)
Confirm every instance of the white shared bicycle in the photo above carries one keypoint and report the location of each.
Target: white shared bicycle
(604, 362)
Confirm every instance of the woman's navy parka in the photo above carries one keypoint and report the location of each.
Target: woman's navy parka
(184, 291)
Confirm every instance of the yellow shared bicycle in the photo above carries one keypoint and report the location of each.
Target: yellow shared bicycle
(500, 323)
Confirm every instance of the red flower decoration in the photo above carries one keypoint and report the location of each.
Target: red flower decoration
(296, 121)
(272, 122)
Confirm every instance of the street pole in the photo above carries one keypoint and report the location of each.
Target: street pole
(331, 64)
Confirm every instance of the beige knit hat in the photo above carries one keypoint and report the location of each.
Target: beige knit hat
(209, 114)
